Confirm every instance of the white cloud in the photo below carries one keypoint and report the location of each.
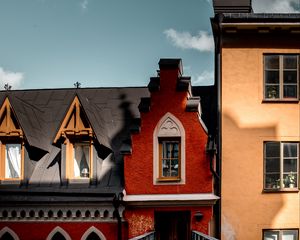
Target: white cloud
(276, 6)
(14, 79)
(206, 77)
(202, 42)
(84, 4)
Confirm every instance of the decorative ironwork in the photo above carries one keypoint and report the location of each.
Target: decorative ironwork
(146, 236)
(201, 236)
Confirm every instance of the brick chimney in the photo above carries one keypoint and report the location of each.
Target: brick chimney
(232, 6)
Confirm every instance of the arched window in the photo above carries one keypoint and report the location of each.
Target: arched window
(58, 234)
(8, 234)
(93, 234)
(169, 151)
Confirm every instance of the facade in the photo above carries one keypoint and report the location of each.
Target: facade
(168, 182)
(106, 163)
(257, 72)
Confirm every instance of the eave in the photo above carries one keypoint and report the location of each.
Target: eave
(196, 199)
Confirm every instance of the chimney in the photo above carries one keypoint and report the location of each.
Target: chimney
(168, 76)
(232, 6)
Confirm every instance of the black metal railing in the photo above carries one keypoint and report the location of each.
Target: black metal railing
(146, 236)
(201, 236)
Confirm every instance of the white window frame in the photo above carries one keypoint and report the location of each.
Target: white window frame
(61, 231)
(95, 230)
(281, 78)
(281, 183)
(280, 232)
(10, 231)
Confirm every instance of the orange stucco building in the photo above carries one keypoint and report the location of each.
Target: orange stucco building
(257, 73)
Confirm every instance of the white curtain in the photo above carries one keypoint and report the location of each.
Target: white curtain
(81, 159)
(13, 161)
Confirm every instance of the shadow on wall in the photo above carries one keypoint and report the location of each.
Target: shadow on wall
(245, 208)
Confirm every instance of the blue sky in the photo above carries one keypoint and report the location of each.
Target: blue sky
(101, 43)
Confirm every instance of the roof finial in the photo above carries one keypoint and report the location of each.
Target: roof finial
(7, 87)
(77, 85)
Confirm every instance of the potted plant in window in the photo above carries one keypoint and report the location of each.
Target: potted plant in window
(290, 180)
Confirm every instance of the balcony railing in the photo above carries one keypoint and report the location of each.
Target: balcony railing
(200, 236)
(146, 236)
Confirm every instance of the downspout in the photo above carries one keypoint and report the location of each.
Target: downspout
(217, 138)
(116, 203)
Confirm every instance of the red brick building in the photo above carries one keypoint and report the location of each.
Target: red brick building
(168, 182)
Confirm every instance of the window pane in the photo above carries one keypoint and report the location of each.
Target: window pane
(272, 77)
(290, 180)
(290, 165)
(166, 168)
(290, 149)
(273, 149)
(81, 160)
(272, 62)
(289, 76)
(290, 91)
(272, 165)
(272, 181)
(271, 235)
(13, 161)
(290, 62)
(174, 168)
(272, 91)
(289, 235)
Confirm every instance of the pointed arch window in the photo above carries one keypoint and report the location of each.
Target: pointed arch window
(93, 234)
(58, 234)
(8, 234)
(77, 138)
(169, 151)
(11, 144)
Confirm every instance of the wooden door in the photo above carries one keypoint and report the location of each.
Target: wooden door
(172, 225)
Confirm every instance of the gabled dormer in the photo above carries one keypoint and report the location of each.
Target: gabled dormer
(77, 138)
(75, 122)
(11, 145)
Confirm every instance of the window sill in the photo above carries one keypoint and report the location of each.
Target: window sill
(280, 101)
(287, 190)
(85, 181)
(168, 180)
(10, 182)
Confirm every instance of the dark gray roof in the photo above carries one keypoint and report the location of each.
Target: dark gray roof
(110, 111)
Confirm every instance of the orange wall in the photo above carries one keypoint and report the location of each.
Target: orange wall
(246, 123)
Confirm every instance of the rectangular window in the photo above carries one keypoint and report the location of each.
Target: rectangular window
(281, 77)
(288, 234)
(12, 160)
(81, 160)
(281, 165)
(169, 160)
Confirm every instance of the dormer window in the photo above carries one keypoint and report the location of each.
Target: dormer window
(81, 159)
(77, 137)
(11, 145)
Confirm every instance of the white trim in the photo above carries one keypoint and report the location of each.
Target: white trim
(11, 232)
(171, 199)
(61, 231)
(180, 132)
(95, 230)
